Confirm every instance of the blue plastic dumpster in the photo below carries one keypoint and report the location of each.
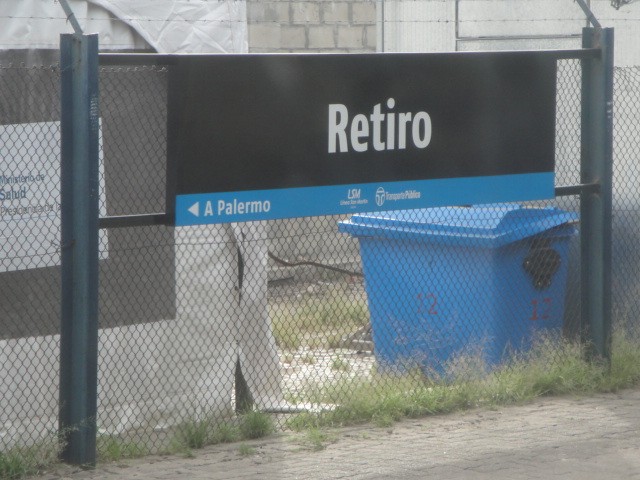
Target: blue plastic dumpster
(444, 284)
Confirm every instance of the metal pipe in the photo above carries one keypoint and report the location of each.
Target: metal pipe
(125, 221)
(590, 16)
(115, 59)
(79, 253)
(71, 17)
(381, 26)
(595, 207)
(567, 190)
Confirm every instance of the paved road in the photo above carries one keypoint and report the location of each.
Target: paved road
(554, 438)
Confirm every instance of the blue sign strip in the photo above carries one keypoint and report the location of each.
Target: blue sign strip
(253, 205)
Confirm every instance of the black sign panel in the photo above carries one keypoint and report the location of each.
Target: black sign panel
(262, 122)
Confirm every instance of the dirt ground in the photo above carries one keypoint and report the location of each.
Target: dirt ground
(565, 438)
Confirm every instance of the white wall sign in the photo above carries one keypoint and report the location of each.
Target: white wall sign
(30, 196)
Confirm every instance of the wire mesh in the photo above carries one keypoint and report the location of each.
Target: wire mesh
(626, 225)
(29, 253)
(200, 323)
(289, 315)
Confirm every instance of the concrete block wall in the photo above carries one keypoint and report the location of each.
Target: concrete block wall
(322, 26)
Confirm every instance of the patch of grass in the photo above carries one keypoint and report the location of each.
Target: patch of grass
(225, 433)
(552, 367)
(287, 337)
(334, 311)
(20, 462)
(335, 341)
(111, 448)
(255, 424)
(13, 465)
(316, 342)
(625, 363)
(340, 365)
(287, 358)
(245, 450)
(316, 439)
(315, 321)
(196, 434)
(308, 359)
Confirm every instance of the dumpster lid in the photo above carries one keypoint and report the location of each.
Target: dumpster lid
(481, 226)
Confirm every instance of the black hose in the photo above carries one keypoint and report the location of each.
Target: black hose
(313, 264)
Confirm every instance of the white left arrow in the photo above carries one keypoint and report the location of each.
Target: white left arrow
(195, 209)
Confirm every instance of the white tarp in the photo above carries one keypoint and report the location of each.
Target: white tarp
(195, 26)
(192, 26)
(219, 325)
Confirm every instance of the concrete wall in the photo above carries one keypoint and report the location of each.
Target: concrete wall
(468, 25)
(312, 26)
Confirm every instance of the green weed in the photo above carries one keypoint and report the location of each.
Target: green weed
(256, 425)
(316, 439)
(112, 448)
(287, 358)
(13, 464)
(225, 433)
(340, 365)
(552, 367)
(19, 462)
(246, 450)
(317, 321)
(625, 363)
(196, 434)
(308, 359)
(287, 337)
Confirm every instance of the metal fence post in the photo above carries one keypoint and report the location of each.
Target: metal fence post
(595, 207)
(79, 247)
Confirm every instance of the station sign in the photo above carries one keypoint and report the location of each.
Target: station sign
(262, 137)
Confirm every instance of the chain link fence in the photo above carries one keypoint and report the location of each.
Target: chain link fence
(197, 323)
(29, 252)
(626, 198)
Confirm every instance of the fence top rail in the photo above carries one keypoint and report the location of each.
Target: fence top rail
(171, 58)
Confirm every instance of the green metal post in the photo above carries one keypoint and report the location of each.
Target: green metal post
(595, 207)
(79, 248)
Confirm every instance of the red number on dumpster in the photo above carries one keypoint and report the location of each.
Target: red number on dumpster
(541, 308)
(427, 303)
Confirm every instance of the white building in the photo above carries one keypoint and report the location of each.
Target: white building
(469, 25)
